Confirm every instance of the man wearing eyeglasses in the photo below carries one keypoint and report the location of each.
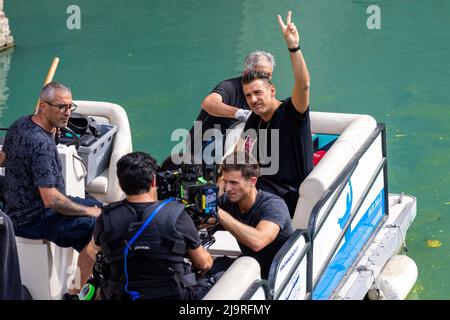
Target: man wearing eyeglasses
(35, 192)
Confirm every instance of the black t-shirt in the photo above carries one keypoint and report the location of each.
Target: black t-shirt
(266, 207)
(148, 276)
(184, 225)
(232, 94)
(294, 144)
(32, 161)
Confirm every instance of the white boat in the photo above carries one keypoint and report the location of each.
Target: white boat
(349, 231)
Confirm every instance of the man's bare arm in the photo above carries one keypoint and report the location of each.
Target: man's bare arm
(214, 106)
(300, 92)
(54, 199)
(255, 238)
(201, 259)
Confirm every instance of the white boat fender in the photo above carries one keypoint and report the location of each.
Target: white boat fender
(396, 279)
(236, 280)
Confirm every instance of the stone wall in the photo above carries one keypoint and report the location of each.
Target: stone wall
(5, 65)
(6, 39)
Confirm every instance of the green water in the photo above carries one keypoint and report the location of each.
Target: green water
(158, 59)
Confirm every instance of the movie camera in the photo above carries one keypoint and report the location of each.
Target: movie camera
(195, 186)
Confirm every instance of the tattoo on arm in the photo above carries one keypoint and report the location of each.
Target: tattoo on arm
(65, 206)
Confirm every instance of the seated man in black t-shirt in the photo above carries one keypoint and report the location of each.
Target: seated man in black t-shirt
(283, 127)
(155, 266)
(257, 219)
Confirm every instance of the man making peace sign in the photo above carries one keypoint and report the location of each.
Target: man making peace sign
(290, 117)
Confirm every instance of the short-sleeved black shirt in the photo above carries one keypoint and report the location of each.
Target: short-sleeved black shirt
(232, 94)
(184, 225)
(32, 161)
(295, 143)
(266, 207)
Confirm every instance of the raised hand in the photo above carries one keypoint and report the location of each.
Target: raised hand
(289, 30)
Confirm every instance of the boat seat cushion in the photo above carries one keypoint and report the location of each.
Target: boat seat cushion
(31, 241)
(99, 184)
(353, 131)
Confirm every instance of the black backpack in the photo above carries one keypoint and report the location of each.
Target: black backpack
(83, 129)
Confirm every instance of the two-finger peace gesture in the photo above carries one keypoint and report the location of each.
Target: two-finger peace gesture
(289, 30)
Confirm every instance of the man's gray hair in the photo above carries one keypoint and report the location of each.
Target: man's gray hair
(258, 58)
(48, 91)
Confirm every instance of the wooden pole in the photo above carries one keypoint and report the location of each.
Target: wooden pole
(49, 78)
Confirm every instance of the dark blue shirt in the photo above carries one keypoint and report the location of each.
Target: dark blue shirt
(266, 207)
(32, 161)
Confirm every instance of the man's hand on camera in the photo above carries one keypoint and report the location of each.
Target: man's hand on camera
(210, 222)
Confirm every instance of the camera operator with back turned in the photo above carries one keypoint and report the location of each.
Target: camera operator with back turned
(145, 241)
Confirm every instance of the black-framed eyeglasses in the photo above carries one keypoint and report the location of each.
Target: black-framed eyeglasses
(63, 107)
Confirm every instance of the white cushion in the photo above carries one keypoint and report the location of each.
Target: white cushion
(354, 130)
(99, 184)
